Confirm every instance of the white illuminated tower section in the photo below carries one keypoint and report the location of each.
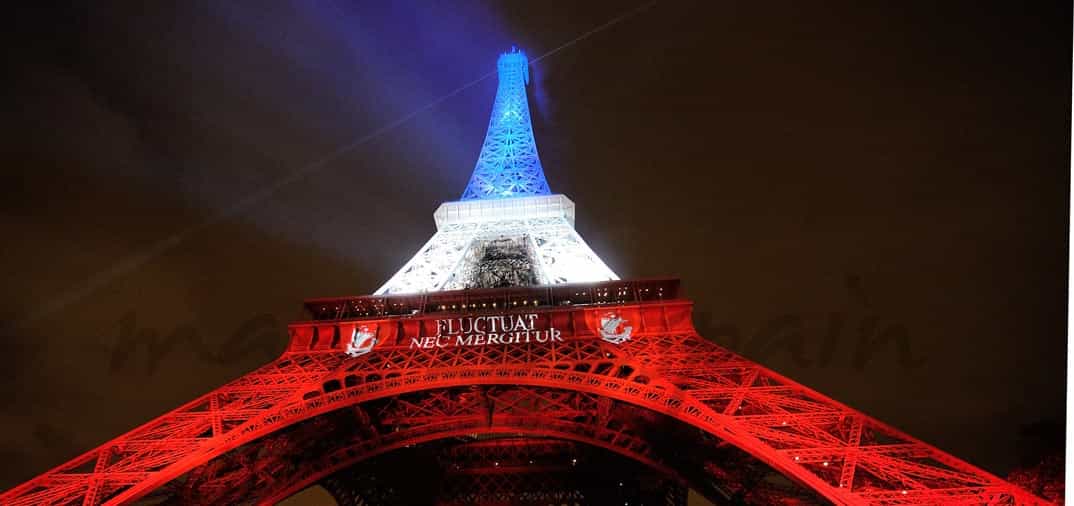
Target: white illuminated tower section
(508, 229)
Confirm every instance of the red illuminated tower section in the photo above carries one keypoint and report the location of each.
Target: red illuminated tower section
(506, 364)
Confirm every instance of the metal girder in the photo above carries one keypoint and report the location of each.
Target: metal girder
(843, 455)
(508, 165)
(444, 261)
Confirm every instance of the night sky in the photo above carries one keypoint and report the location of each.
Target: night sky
(181, 176)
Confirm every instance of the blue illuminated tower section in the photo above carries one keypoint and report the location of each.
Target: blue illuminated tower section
(508, 165)
(507, 229)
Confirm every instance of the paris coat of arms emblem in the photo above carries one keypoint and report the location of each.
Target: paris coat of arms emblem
(614, 329)
(362, 341)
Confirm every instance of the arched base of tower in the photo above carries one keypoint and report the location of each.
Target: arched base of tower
(492, 445)
(617, 367)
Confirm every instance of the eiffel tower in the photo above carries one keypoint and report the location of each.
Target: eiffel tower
(505, 363)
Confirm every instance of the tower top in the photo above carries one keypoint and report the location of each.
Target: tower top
(514, 61)
(508, 229)
(508, 165)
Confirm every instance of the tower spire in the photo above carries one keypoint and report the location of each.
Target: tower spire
(508, 229)
(508, 165)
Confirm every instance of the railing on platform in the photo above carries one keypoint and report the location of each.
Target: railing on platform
(492, 299)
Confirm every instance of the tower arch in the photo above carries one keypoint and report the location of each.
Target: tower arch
(490, 413)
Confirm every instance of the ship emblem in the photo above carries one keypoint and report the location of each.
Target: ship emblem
(362, 341)
(613, 328)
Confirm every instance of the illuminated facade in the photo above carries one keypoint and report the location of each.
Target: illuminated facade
(506, 364)
(508, 165)
(508, 229)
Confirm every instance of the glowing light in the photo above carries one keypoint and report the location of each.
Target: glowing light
(508, 165)
(541, 223)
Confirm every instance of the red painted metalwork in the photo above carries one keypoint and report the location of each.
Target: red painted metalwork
(664, 369)
(536, 414)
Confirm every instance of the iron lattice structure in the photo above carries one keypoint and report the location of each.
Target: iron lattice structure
(554, 252)
(507, 199)
(589, 379)
(278, 429)
(508, 165)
